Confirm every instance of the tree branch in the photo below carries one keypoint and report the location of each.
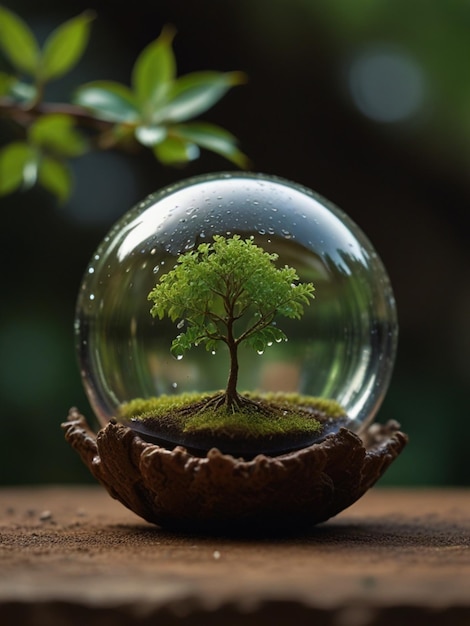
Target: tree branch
(263, 321)
(24, 114)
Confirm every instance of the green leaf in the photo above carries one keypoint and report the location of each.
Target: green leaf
(150, 135)
(55, 176)
(57, 133)
(174, 151)
(64, 46)
(30, 171)
(153, 72)
(108, 100)
(212, 138)
(14, 161)
(6, 81)
(18, 42)
(23, 92)
(195, 93)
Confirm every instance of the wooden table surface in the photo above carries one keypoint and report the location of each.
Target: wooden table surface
(72, 555)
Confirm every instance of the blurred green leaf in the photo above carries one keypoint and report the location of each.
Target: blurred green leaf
(195, 93)
(57, 133)
(150, 135)
(30, 170)
(6, 81)
(18, 42)
(55, 177)
(22, 92)
(212, 138)
(14, 161)
(108, 100)
(153, 72)
(175, 151)
(65, 45)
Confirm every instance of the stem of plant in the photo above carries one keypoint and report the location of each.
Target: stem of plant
(25, 114)
(231, 394)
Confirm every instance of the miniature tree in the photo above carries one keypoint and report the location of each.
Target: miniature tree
(229, 291)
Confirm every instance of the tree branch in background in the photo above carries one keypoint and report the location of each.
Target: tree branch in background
(156, 111)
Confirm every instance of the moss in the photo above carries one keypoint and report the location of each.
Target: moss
(259, 416)
(251, 424)
(324, 405)
(140, 408)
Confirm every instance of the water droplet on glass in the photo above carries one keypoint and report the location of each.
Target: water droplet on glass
(179, 357)
(174, 385)
(260, 352)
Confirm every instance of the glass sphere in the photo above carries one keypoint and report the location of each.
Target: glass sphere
(342, 348)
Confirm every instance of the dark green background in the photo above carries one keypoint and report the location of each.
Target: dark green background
(406, 183)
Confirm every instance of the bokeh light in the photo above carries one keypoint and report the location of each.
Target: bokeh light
(387, 85)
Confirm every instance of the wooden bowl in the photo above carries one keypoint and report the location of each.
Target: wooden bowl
(220, 493)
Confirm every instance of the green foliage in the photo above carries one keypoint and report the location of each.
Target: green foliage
(229, 291)
(14, 161)
(6, 82)
(55, 176)
(108, 100)
(56, 133)
(157, 104)
(18, 42)
(60, 53)
(51, 139)
(153, 73)
(212, 138)
(154, 111)
(64, 47)
(215, 286)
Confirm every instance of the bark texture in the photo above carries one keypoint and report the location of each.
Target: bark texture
(175, 489)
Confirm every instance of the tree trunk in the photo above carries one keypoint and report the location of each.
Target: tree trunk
(231, 395)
